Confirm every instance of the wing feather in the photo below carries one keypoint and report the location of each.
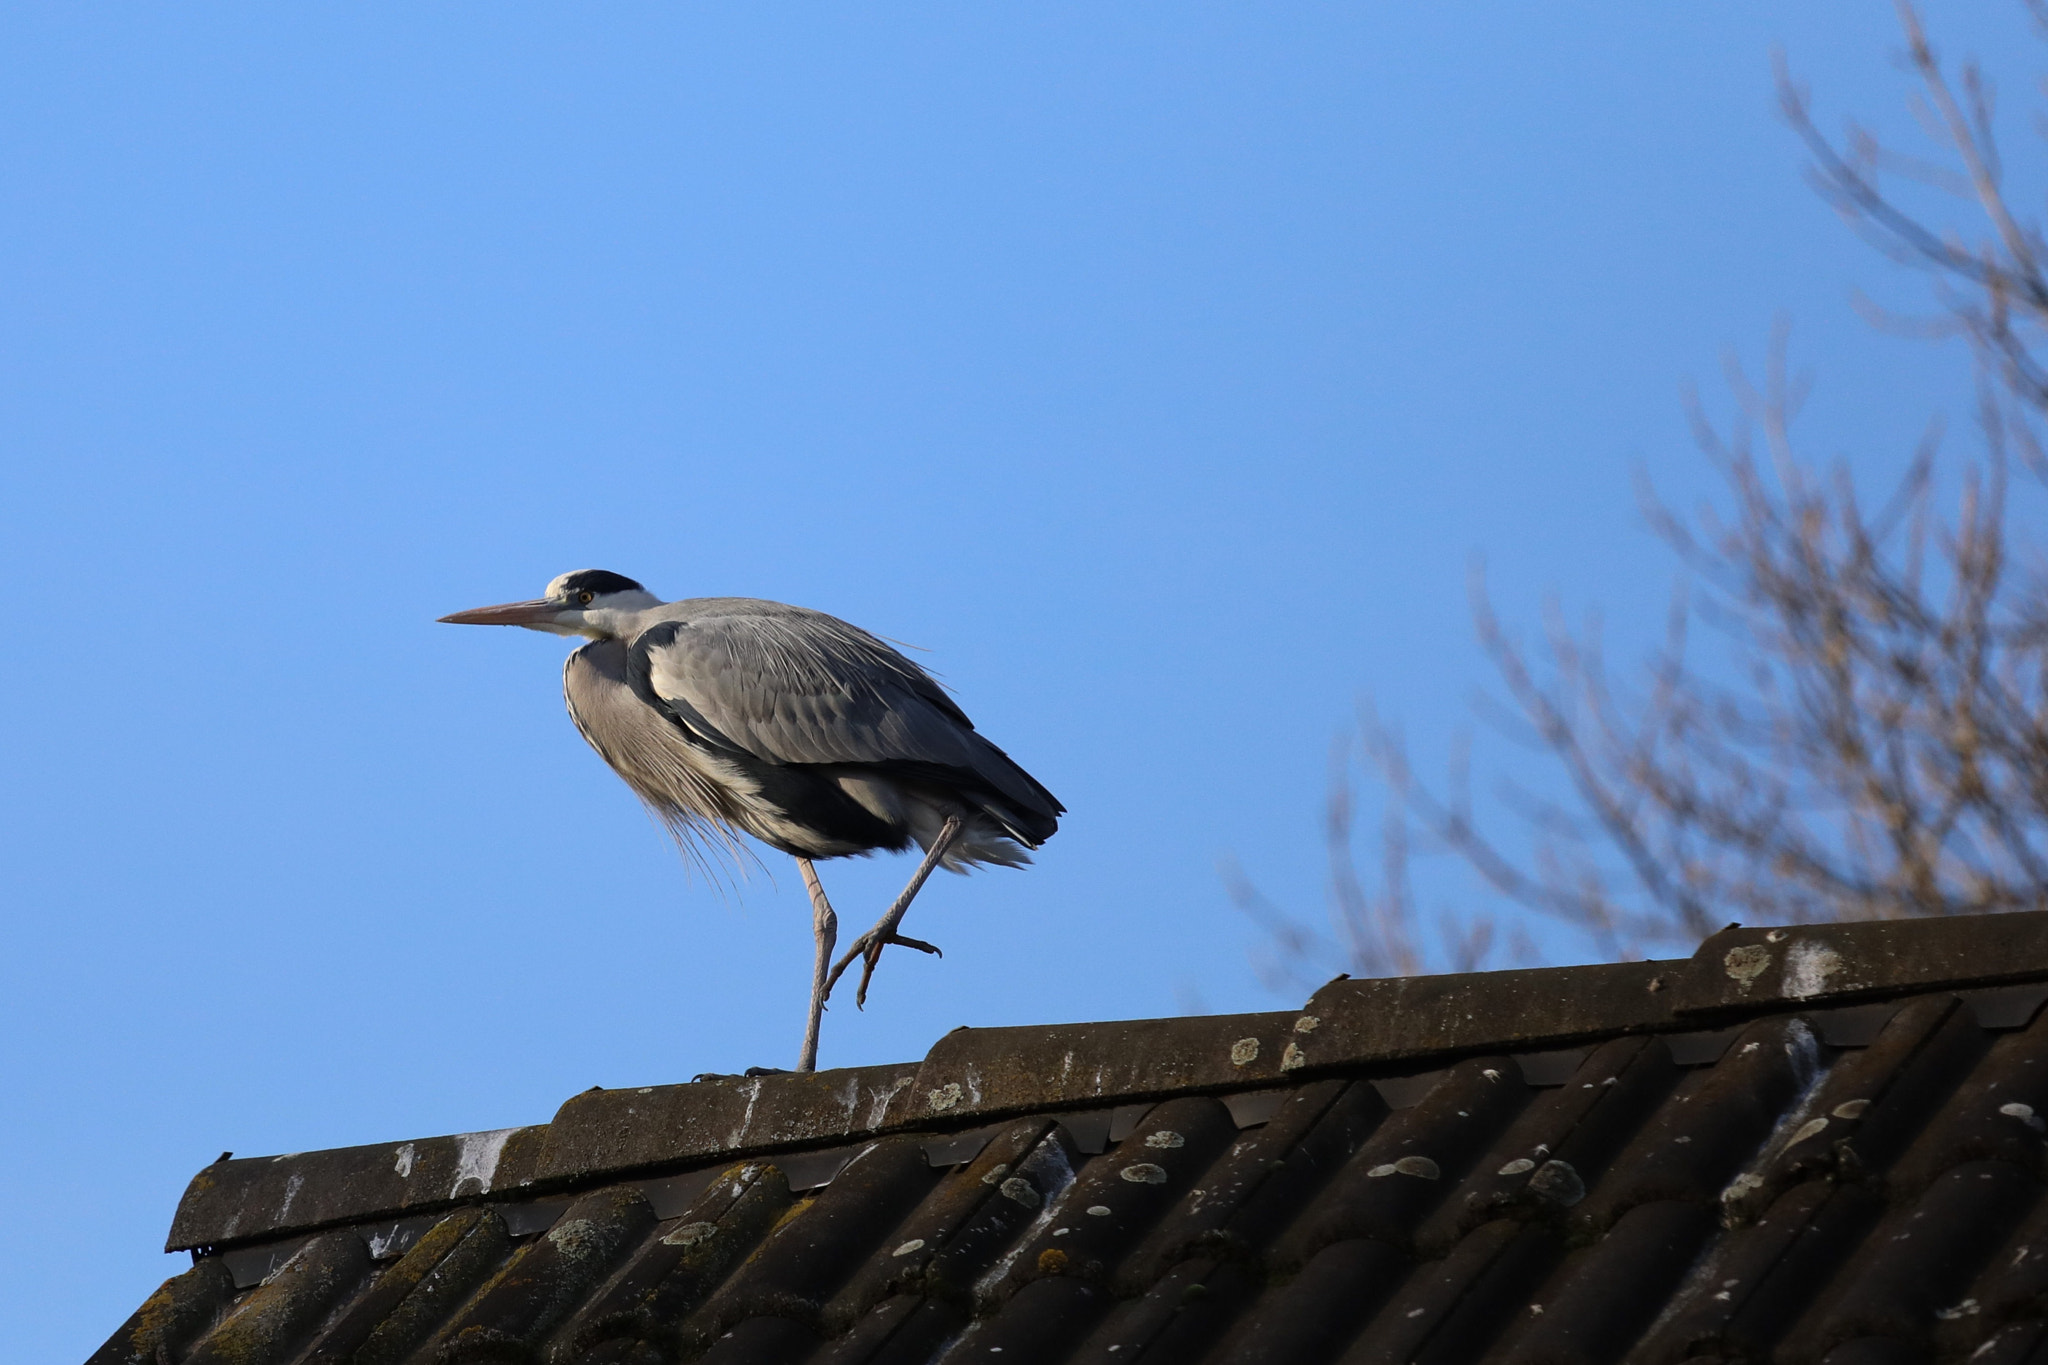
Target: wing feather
(789, 690)
(791, 686)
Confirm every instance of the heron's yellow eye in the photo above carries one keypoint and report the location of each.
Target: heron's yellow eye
(586, 598)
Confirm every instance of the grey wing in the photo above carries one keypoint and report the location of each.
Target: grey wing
(790, 686)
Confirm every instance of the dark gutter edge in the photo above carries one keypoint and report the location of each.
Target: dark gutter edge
(975, 1076)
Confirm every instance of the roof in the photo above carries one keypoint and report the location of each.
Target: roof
(1815, 1144)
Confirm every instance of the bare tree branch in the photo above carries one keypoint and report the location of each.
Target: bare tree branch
(1867, 738)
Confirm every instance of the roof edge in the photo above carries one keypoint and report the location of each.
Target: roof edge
(973, 1076)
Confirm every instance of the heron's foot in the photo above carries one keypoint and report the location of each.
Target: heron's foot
(744, 1075)
(868, 947)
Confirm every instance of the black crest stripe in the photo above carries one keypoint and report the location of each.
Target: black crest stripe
(599, 581)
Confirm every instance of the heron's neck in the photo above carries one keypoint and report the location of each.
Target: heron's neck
(622, 621)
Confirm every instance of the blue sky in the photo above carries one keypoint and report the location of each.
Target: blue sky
(1159, 368)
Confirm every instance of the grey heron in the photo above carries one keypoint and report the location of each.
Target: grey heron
(730, 715)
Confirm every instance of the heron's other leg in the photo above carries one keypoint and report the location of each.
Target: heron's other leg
(825, 926)
(870, 944)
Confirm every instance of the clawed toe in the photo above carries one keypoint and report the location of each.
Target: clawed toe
(868, 948)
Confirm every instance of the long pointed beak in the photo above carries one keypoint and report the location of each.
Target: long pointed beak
(541, 612)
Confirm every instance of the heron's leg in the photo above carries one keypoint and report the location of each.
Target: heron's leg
(870, 944)
(825, 926)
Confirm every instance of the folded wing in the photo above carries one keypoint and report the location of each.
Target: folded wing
(789, 686)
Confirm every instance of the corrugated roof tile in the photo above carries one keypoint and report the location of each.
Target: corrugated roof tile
(1450, 1310)
(1711, 1123)
(1601, 1296)
(415, 1294)
(1316, 1313)
(1991, 1115)
(1178, 1317)
(1410, 1163)
(1916, 1263)
(1041, 1321)
(546, 1277)
(2014, 1280)
(2021, 1343)
(1779, 1156)
(272, 1320)
(170, 1320)
(1745, 1293)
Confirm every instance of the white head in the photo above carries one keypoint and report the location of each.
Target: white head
(591, 602)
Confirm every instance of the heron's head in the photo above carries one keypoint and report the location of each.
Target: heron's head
(590, 602)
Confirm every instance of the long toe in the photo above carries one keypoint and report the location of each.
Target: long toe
(857, 949)
(868, 949)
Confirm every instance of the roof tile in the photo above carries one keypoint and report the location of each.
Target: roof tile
(682, 1263)
(1307, 1166)
(1994, 1114)
(803, 1260)
(275, 1317)
(1010, 1196)
(1531, 1171)
(1092, 1223)
(1919, 1259)
(761, 1341)
(1874, 1351)
(1759, 1153)
(1714, 1120)
(2021, 1343)
(903, 1330)
(1039, 1322)
(1410, 1162)
(1448, 1311)
(1871, 1103)
(1178, 1317)
(1255, 1164)
(1603, 1295)
(1745, 1294)
(2014, 1280)
(548, 1276)
(967, 1204)
(624, 1130)
(1317, 1312)
(171, 1319)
